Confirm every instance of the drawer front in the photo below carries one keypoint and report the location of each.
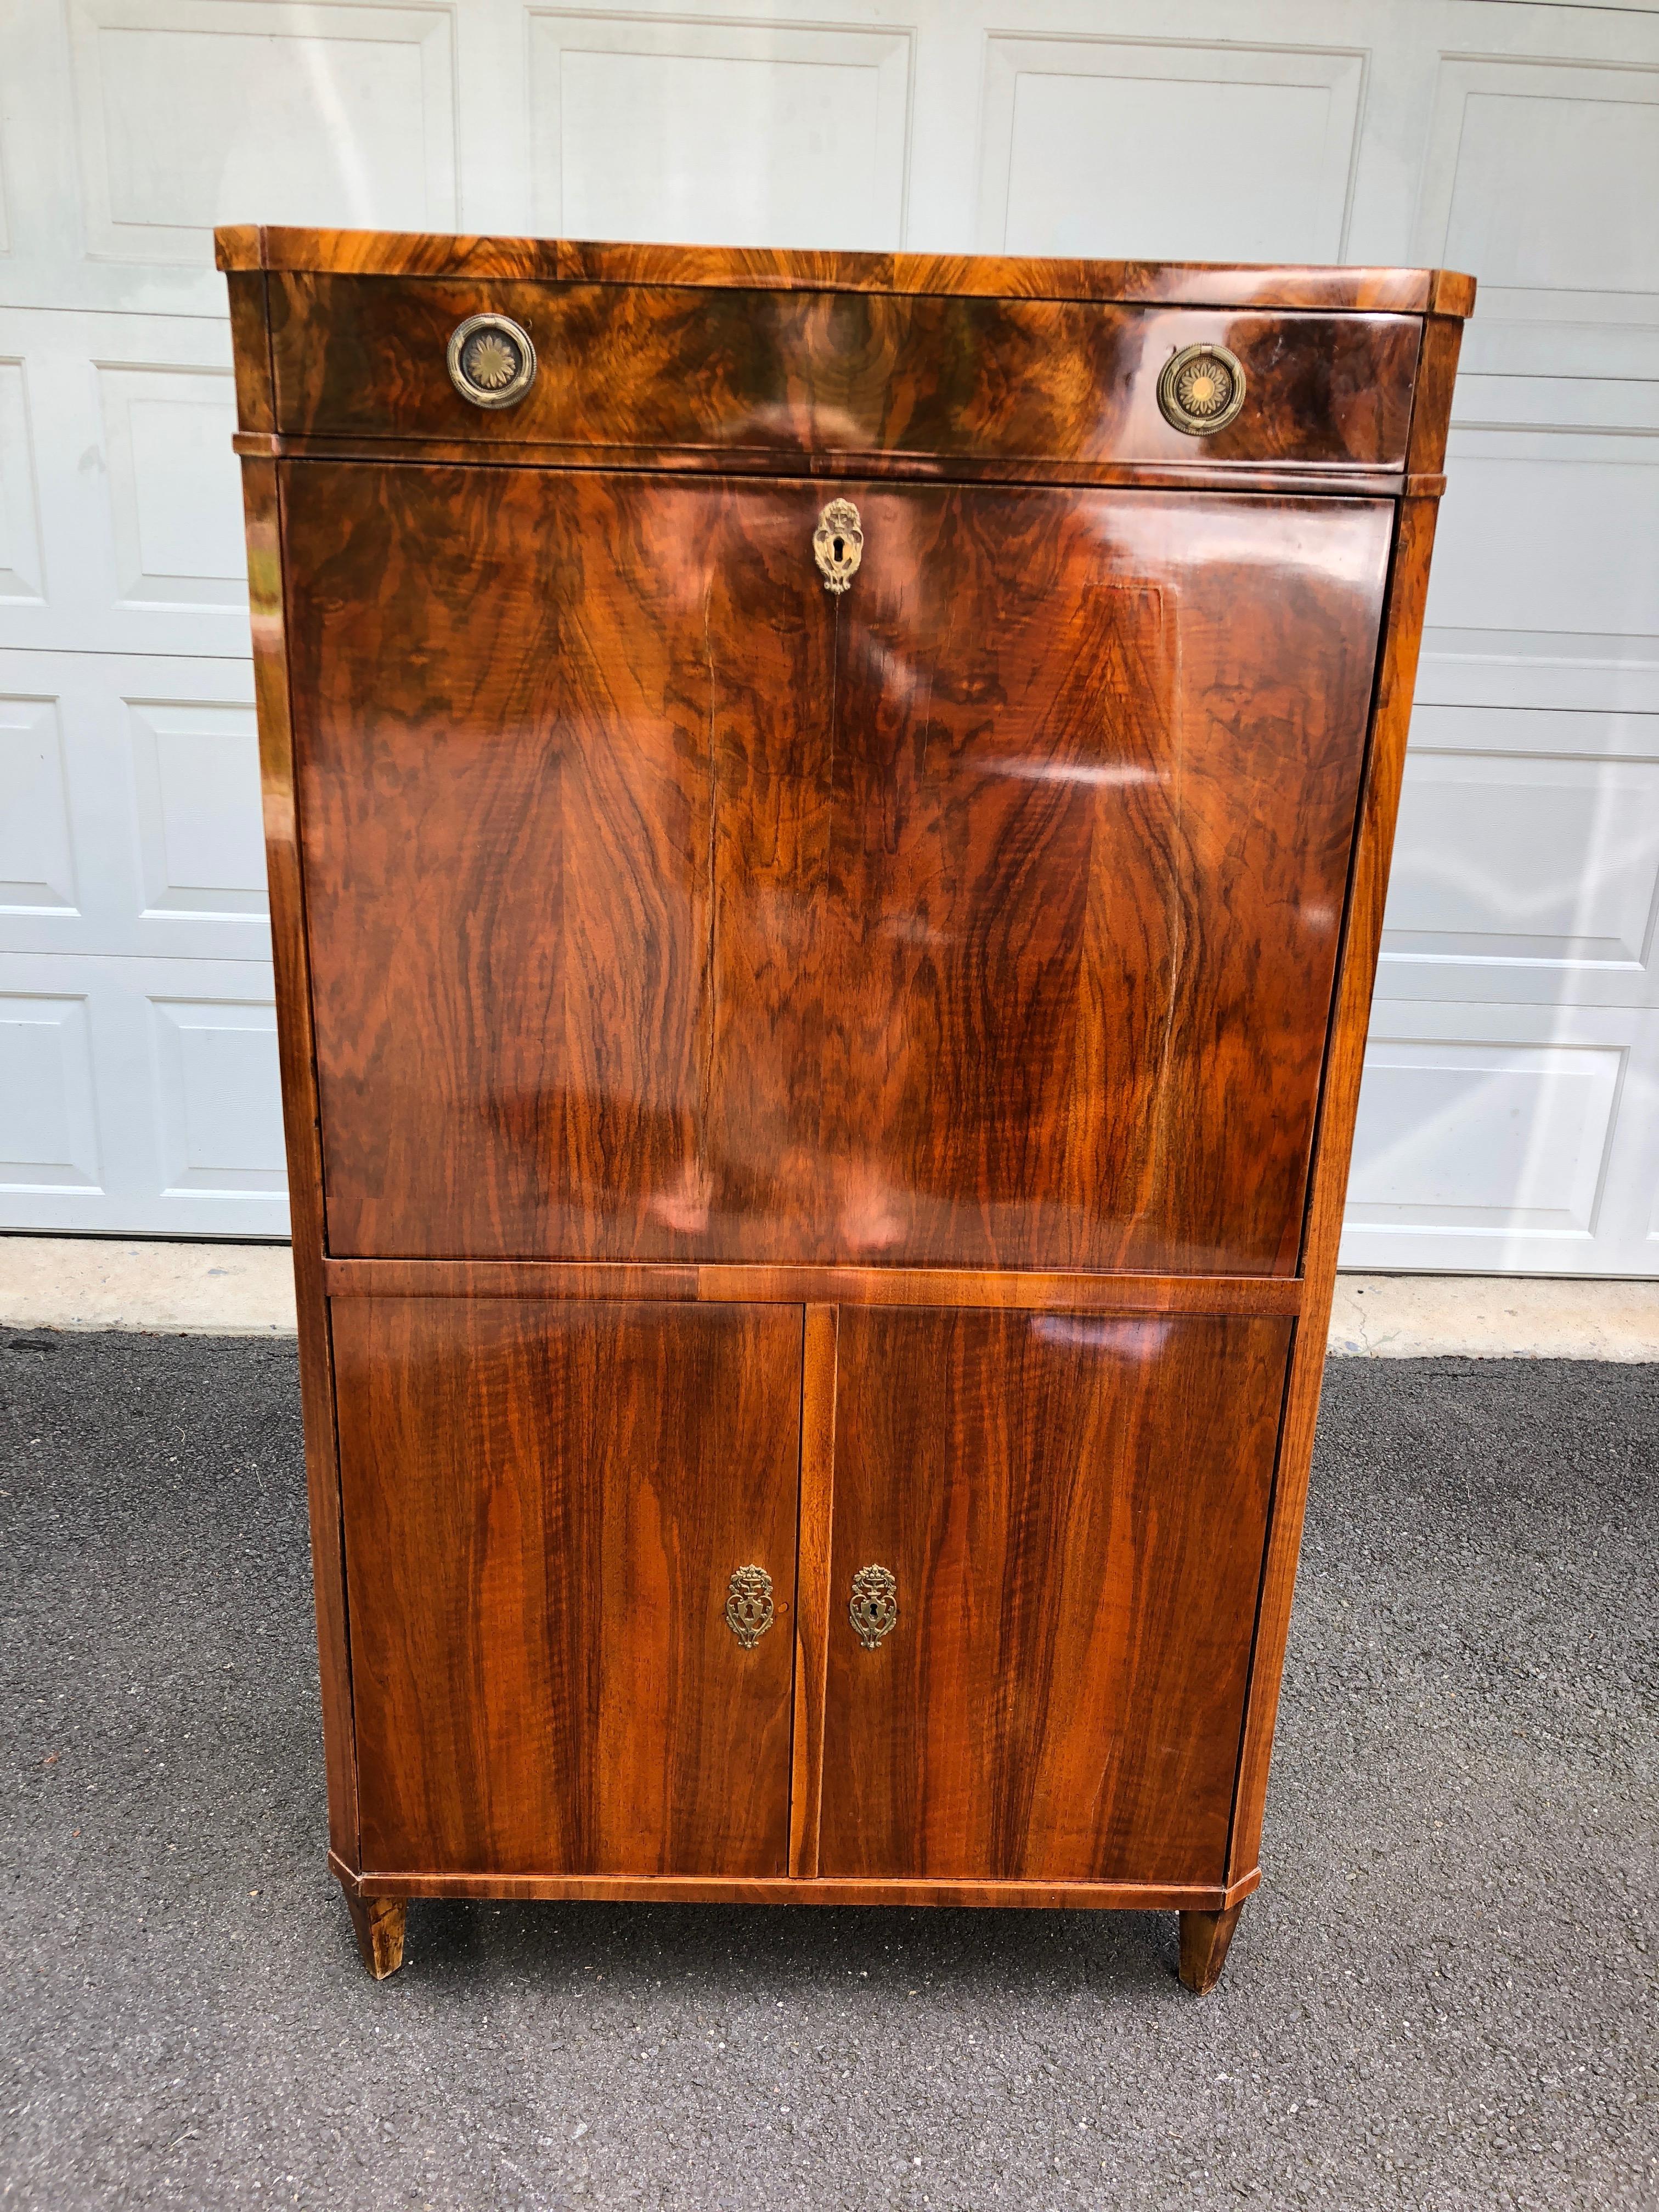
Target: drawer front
(1048, 1541)
(545, 1505)
(980, 379)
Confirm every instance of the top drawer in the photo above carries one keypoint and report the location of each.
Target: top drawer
(632, 367)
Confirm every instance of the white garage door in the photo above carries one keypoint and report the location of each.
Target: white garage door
(1510, 1116)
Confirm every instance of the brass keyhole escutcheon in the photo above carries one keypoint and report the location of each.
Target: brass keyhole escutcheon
(748, 1610)
(874, 1607)
(838, 544)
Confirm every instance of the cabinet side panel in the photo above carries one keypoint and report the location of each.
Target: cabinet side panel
(1380, 807)
(545, 1503)
(297, 1061)
(1072, 1509)
(250, 339)
(1431, 394)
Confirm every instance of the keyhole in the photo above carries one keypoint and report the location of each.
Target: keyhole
(838, 547)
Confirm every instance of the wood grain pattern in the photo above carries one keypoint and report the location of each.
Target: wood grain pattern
(920, 930)
(1089, 846)
(1221, 284)
(543, 1505)
(297, 1050)
(1073, 1509)
(1408, 593)
(813, 1625)
(843, 372)
(1451, 293)
(726, 1285)
(1432, 393)
(250, 352)
(561, 800)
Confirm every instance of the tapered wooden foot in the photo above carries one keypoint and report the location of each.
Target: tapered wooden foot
(1204, 1940)
(378, 1922)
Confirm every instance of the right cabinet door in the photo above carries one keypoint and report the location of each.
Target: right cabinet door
(1071, 1510)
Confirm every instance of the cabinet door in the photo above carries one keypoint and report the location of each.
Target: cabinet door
(1072, 1509)
(545, 1505)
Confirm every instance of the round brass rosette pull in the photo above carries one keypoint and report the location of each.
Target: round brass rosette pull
(1202, 389)
(874, 1609)
(749, 1611)
(492, 361)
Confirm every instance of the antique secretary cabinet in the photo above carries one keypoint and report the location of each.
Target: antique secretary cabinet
(828, 819)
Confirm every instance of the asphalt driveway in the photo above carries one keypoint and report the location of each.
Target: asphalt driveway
(1444, 1995)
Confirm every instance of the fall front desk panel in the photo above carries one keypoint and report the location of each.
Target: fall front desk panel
(663, 907)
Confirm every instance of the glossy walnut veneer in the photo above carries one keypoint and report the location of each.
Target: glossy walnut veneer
(970, 971)
(792, 1080)
(762, 375)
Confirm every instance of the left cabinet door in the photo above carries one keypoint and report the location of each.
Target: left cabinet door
(545, 1503)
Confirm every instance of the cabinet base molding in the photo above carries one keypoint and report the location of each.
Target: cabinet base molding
(715, 1889)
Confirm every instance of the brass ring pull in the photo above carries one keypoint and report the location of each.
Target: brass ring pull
(838, 544)
(1202, 389)
(492, 361)
(749, 1608)
(874, 1608)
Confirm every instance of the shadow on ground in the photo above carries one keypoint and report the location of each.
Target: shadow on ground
(1443, 1996)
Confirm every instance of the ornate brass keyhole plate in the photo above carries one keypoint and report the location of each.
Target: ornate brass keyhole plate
(1202, 389)
(838, 544)
(492, 361)
(749, 1610)
(874, 1609)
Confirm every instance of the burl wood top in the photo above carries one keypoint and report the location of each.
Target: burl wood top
(561, 260)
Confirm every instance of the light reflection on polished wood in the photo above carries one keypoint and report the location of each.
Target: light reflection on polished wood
(845, 372)
(916, 930)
